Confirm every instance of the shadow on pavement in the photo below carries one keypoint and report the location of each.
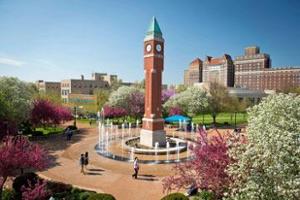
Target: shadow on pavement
(58, 143)
(96, 170)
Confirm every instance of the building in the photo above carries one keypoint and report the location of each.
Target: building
(48, 87)
(194, 72)
(220, 70)
(83, 86)
(153, 132)
(253, 71)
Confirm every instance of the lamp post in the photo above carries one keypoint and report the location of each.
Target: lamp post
(75, 117)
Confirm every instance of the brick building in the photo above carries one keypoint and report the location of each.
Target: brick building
(253, 70)
(48, 87)
(194, 73)
(84, 86)
(220, 70)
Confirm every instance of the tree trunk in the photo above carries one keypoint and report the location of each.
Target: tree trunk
(235, 120)
(214, 118)
(1, 186)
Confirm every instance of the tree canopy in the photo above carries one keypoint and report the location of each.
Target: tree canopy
(268, 165)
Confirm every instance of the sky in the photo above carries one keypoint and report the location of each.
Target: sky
(54, 40)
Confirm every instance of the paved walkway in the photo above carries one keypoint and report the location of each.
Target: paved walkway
(103, 175)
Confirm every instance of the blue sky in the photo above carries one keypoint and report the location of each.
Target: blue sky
(61, 39)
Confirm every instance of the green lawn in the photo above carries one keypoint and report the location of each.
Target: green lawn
(241, 118)
(50, 130)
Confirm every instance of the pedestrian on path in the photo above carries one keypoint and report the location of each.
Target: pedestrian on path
(81, 162)
(135, 167)
(86, 159)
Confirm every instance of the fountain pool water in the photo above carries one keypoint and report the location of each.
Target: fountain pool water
(123, 145)
(168, 147)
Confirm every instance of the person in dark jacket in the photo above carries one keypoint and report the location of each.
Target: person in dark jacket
(82, 163)
(86, 159)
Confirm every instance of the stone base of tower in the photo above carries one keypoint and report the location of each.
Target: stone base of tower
(149, 138)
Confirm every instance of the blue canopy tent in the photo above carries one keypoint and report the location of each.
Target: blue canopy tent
(177, 118)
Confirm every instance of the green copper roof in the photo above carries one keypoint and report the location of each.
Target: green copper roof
(154, 28)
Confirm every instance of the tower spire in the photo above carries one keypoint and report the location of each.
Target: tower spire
(154, 28)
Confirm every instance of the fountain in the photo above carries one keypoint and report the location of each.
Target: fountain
(129, 129)
(178, 150)
(168, 147)
(156, 150)
(132, 154)
(107, 141)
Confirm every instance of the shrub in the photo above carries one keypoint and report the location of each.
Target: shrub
(59, 190)
(175, 196)
(85, 195)
(23, 180)
(204, 195)
(37, 133)
(101, 197)
(7, 194)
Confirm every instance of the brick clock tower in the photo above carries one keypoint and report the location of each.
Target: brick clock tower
(153, 124)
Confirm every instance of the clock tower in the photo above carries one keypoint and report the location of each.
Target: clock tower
(153, 124)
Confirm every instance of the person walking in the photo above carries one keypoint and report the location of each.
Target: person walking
(86, 159)
(82, 163)
(135, 167)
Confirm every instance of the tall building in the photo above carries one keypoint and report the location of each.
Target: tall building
(153, 124)
(194, 72)
(253, 71)
(48, 87)
(220, 70)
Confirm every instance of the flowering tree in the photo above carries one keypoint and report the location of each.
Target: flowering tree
(175, 111)
(114, 112)
(207, 169)
(191, 101)
(268, 166)
(36, 191)
(18, 154)
(15, 104)
(166, 95)
(45, 112)
(130, 99)
(136, 104)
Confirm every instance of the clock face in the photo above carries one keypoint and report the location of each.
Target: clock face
(148, 48)
(158, 47)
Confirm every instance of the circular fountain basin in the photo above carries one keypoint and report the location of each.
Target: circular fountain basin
(160, 151)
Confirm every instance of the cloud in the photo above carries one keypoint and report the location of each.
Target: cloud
(10, 62)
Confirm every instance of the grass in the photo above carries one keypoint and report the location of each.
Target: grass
(50, 130)
(241, 118)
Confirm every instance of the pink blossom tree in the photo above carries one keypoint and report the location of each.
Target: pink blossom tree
(36, 191)
(110, 112)
(136, 104)
(166, 95)
(18, 154)
(175, 111)
(45, 112)
(207, 169)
